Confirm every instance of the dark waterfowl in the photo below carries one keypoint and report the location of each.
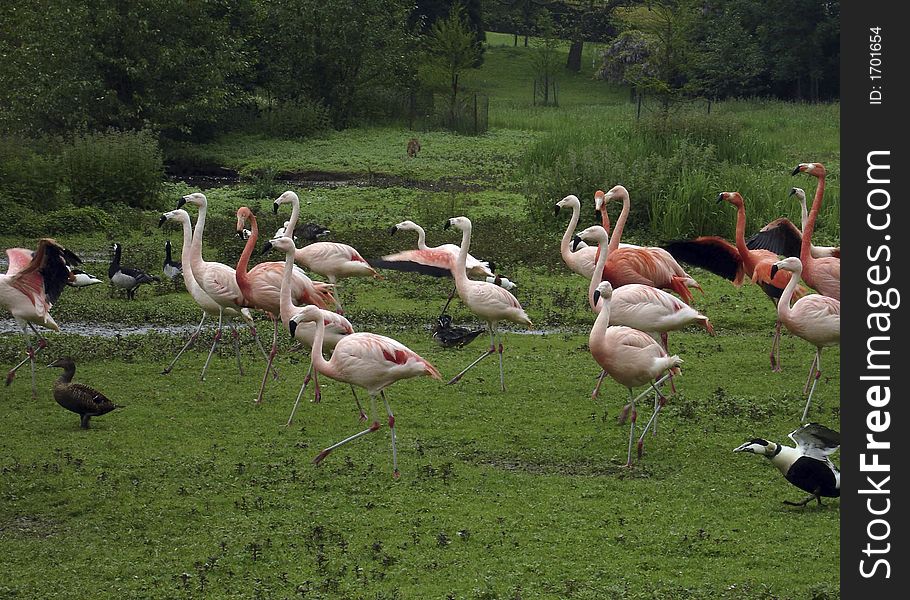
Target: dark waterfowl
(77, 397)
(127, 278)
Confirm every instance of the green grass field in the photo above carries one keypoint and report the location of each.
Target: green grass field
(192, 491)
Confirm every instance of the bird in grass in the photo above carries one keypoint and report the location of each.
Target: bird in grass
(784, 238)
(127, 278)
(77, 397)
(453, 336)
(81, 278)
(807, 466)
(172, 269)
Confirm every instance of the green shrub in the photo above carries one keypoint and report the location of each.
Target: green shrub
(295, 120)
(115, 167)
(27, 175)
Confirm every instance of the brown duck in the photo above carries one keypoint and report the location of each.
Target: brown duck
(77, 397)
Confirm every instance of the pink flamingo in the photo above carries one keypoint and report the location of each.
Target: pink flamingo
(332, 260)
(635, 264)
(366, 360)
(821, 274)
(583, 258)
(631, 357)
(639, 306)
(486, 300)
(205, 302)
(814, 318)
(31, 285)
(261, 287)
(336, 326)
(217, 280)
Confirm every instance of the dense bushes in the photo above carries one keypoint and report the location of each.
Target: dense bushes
(115, 167)
(674, 168)
(296, 119)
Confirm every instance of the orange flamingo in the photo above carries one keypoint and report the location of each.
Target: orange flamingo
(261, 286)
(631, 357)
(814, 318)
(32, 283)
(366, 360)
(821, 274)
(633, 264)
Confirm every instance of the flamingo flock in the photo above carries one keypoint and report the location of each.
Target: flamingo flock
(630, 291)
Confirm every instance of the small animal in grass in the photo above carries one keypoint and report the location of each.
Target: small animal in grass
(173, 269)
(453, 336)
(807, 466)
(413, 147)
(126, 278)
(77, 397)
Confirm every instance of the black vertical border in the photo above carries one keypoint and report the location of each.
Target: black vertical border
(867, 127)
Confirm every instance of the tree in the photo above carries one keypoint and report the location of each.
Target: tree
(545, 58)
(452, 50)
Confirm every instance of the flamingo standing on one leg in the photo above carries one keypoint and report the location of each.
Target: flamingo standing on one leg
(217, 280)
(487, 300)
(332, 260)
(634, 264)
(631, 357)
(32, 283)
(336, 326)
(366, 360)
(821, 274)
(261, 287)
(815, 318)
(639, 306)
(209, 307)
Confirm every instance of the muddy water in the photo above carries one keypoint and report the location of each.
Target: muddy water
(105, 330)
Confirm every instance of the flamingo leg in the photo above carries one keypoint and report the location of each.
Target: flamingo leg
(811, 372)
(634, 416)
(317, 391)
(775, 349)
(600, 380)
(659, 403)
(255, 335)
(625, 409)
(189, 342)
(306, 381)
(388, 409)
(30, 354)
(502, 377)
(373, 427)
(363, 415)
(214, 343)
(480, 358)
(268, 366)
(818, 375)
(451, 295)
(235, 336)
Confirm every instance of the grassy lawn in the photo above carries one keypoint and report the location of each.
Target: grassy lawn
(192, 491)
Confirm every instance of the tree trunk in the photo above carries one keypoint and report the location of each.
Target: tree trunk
(515, 40)
(573, 63)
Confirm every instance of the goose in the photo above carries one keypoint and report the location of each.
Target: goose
(807, 466)
(453, 336)
(127, 278)
(77, 397)
(172, 269)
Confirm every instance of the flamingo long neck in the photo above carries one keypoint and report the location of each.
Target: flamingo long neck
(186, 254)
(320, 364)
(805, 213)
(196, 246)
(603, 251)
(564, 245)
(741, 231)
(286, 303)
(295, 214)
(244, 261)
(421, 238)
(461, 275)
(620, 223)
(605, 218)
(805, 250)
(783, 304)
(600, 324)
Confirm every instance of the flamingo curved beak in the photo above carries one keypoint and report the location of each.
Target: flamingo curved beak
(774, 270)
(292, 326)
(448, 224)
(181, 202)
(596, 297)
(720, 198)
(393, 229)
(792, 191)
(556, 212)
(161, 221)
(265, 248)
(274, 208)
(797, 170)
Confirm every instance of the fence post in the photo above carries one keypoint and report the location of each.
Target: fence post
(475, 113)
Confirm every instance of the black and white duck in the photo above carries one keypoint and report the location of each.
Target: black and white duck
(807, 466)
